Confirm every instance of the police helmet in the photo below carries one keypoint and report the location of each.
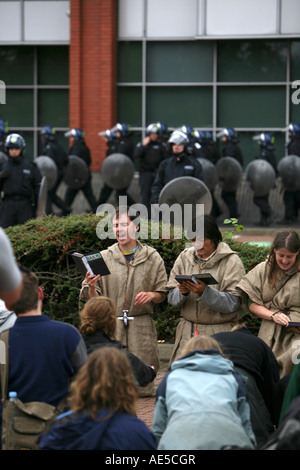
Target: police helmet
(188, 130)
(152, 129)
(228, 132)
(121, 127)
(15, 141)
(265, 139)
(76, 133)
(48, 132)
(294, 129)
(162, 129)
(3, 127)
(179, 138)
(204, 136)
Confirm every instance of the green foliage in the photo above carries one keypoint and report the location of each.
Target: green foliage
(236, 228)
(45, 245)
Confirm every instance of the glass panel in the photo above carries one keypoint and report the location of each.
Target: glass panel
(9, 10)
(180, 61)
(28, 137)
(129, 61)
(295, 60)
(53, 108)
(177, 106)
(53, 65)
(251, 106)
(19, 108)
(129, 107)
(246, 61)
(16, 65)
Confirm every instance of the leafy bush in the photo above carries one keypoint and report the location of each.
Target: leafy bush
(45, 245)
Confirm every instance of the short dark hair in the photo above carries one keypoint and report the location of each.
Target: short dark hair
(210, 226)
(28, 299)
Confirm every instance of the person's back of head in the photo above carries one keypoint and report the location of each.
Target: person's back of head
(105, 381)
(201, 343)
(30, 294)
(98, 313)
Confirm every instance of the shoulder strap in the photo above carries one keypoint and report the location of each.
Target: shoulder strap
(4, 365)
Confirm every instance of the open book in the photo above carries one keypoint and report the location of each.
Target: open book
(204, 277)
(93, 262)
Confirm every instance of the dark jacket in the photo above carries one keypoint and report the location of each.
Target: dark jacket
(123, 145)
(175, 167)
(22, 179)
(80, 149)
(231, 149)
(150, 155)
(120, 431)
(57, 153)
(267, 154)
(294, 146)
(144, 374)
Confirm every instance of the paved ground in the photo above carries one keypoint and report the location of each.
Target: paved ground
(146, 405)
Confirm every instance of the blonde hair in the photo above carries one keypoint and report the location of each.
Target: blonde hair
(105, 381)
(201, 343)
(99, 313)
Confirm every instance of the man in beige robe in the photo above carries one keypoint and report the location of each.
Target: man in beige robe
(134, 285)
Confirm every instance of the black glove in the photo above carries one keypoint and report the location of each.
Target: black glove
(4, 174)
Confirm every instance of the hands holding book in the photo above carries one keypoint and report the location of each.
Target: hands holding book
(91, 280)
(190, 286)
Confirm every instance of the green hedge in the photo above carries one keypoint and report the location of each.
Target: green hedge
(45, 245)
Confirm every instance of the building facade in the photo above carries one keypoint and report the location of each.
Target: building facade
(209, 64)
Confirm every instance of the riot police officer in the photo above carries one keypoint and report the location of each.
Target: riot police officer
(291, 199)
(55, 151)
(230, 149)
(118, 140)
(179, 164)
(150, 153)
(265, 141)
(208, 148)
(79, 148)
(20, 181)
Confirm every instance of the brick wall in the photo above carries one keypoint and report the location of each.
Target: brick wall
(92, 66)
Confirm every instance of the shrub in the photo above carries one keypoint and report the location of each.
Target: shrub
(45, 245)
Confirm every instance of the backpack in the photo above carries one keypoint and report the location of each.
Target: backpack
(23, 423)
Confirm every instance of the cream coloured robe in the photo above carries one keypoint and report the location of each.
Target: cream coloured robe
(145, 272)
(278, 337)
(227, 268)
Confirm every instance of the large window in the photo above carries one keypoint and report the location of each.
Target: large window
(37, 92)
(211, 84)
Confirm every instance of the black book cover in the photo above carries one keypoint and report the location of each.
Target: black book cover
(204, 277)
(92, 262)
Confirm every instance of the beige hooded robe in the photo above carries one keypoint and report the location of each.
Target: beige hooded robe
(145, 272)
(227, 268)
(284, 296)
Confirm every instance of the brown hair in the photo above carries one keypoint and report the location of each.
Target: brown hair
(99, 313)
(202, 343)
(104, 381)
(28, 299)
(286, 239)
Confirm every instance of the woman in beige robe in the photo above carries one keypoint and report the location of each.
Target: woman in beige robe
(205, 309)
(273, 290)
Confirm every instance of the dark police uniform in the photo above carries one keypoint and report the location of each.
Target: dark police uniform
(291, 199)
(125, 146)
(20, 182)
(149, 156)
(60, 158)
(80, 149)
(262, 202)
(173, 167)
(231, 149)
